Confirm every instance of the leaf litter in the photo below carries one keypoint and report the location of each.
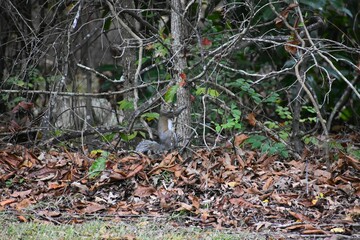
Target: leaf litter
(221, 188)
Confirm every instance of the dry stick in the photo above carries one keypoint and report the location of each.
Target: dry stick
(204, 120)
(72, 94)
(343, 99)
(99, 73)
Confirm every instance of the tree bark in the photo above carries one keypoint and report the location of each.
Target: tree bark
(183, 96)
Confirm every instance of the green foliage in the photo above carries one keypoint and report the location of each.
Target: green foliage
(126, 105)
(171, 93)
(309, 110)
(266, 145)
(128, 137)
(232, 123)
(150, 116)
(160, 51)
(283, 112)
(99, 165)
(8, 183)
(243, 87)
(34, 78)
(108, 137)
(211, 92)
(354, 153)
(58, 132)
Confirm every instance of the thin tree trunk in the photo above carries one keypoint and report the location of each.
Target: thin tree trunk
(183, 97)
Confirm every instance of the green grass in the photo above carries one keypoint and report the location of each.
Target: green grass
(144, 229)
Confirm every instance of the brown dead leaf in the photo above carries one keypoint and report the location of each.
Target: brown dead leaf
(284, 14)
(93, 207)
(253, 190)
(204, 215)
(353, 162)
(242, 202)
(300, 216)
(184, 206)
(21, 194)
(353, 214)
(314, 231)
(10, 159)
(269, 182)
(279, 199)
(195, 201)
(291, 46)
(268, 161)
(22, 218)
(144, 191)
(301, 226)
(264, 225)
(251, 119)
(56, 185)
(239, 139)
(24, 203)
(49, 213)
(7, 202)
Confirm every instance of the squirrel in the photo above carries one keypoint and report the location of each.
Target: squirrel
(167, 136)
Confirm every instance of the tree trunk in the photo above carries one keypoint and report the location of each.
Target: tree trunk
(183, 97)
(128, 54)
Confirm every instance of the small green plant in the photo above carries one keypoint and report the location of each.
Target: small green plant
(99, 164)
(266, 145)
(128, 137)
(108, 137)
(126, 105)
(8, 183)
(283, 112)
(232, 123)
(246, 88)
(211, 92)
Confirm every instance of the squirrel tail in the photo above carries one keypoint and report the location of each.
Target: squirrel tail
(147, 146)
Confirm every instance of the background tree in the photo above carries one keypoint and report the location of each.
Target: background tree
(288, 69)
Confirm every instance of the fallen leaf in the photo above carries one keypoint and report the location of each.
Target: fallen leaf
(21, 194)
(93, 207)
(239, 139)
(22, 218)
(7, 201)
(144, 191)
(251, 119)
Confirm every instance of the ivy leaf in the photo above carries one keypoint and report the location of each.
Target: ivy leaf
(99, 165)
(150, 116)
(126, 105)
(213, 93)
(170, 94)
(128, 137)
(200, 91)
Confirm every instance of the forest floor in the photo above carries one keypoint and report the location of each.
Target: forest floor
(210, 195)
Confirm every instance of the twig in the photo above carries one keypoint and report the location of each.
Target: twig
(343, 99)
(72, 94)
(99, 74)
